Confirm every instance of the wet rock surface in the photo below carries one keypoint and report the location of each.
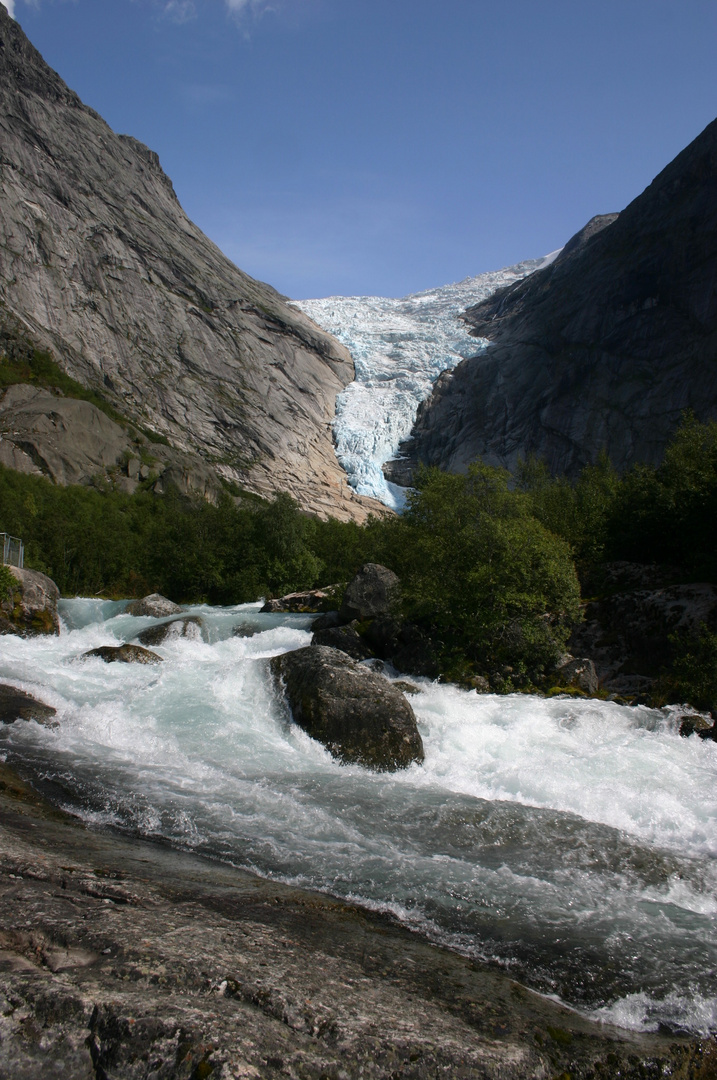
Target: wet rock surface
(190, 628)
(32, 609)
(357, 715)
(154, 606)
(17, 705)
(126, 960)
(344, 638)
(124, 654)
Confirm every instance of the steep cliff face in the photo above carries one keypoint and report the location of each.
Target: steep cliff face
(102, 266)
(601, 350)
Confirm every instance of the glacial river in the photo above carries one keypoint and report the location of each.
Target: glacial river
(571, 842)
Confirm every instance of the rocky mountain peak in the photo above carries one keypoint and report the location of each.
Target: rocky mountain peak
(601, 350)
(101, 266)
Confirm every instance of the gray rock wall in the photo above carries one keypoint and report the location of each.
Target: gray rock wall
(102, 266)
(601, 350)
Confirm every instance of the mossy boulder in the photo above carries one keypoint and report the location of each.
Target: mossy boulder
(30, 609)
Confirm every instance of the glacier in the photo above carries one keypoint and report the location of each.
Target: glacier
(399, 347)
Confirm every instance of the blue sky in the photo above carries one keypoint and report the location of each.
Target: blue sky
(387, 146)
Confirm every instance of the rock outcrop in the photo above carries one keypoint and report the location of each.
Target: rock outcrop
(345, 638)
(68, 440)
(155, 606)
(123, 654)
(579, 672)
(629, 634)
(125, 959)
(189, 628)
(603, 349)
(17, 705)
(358, 715)
(100, 265)
(371, 593)
(32, 608)
(310, 600)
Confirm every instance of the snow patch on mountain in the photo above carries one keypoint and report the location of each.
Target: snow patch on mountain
(399, 347)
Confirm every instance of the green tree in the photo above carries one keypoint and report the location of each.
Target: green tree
(492, 583)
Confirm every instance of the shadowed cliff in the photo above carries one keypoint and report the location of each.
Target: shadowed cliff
(601, 350)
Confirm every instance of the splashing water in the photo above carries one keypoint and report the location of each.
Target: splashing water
(573, 842)
(400, 347)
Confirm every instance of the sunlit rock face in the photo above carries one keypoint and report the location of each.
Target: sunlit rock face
(399, 348)
(101, 265)
(604, 349)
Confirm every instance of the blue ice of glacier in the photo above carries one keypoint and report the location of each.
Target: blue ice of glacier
(399, 347)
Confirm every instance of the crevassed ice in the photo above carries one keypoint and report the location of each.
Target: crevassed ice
(399, 347)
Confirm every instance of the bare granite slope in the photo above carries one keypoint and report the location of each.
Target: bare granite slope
(102, 266)
(603, 349)
(125, 960)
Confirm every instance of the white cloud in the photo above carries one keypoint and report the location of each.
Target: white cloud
(10, 5)
(241, 7)
(180, 11)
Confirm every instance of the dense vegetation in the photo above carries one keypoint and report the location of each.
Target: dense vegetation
(487, 561)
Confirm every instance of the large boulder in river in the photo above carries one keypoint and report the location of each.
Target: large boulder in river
(371, 594)
(156, 606)
(124, 654)
(358, 715)
(32, 608)
(17, 705)
(345, 638)
(190, 627)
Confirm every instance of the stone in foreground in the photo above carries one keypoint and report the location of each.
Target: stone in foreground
(358, 716)
(124, 654)
(17, 705)
(371, 594)
(155, 606)
(125, 959)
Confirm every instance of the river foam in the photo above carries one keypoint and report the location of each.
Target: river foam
(572, 842)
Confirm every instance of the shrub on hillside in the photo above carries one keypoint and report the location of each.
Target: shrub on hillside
(492, 584)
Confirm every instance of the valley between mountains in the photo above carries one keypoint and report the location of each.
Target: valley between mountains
(358, 695)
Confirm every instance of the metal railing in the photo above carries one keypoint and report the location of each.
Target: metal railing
(13, 550)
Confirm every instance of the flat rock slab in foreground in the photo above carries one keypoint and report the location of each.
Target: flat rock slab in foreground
(124, 654)
(358, 716)
(17, 705)
(126, 960)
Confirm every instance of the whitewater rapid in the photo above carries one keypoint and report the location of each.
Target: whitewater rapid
(399, 347)
(572, 842)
